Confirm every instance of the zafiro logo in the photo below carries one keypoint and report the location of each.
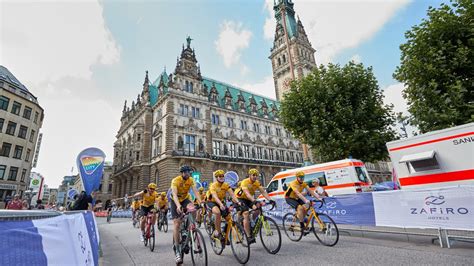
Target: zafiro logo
(331, 205)
(433, 200)
(332, 208)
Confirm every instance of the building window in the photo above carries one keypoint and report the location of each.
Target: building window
(18, 151)
(190, 143)
(265, 154)
(196, 112)
(216, 147)
(36, 117)
(3, 169)
(11, 127)
(253, 153)
(243, 125)
(259, 153)
(32, 135)
(241, 153)
(23, 175)
(1, 124)
(282, 155)
(226, 149)
(268, 130)
(27, 157)
(278, 132)
(4, 101)
(292, 156)
(232, 150)
(139, 137)
(191, 87)
(16, 107)
(110, 188)
(270, 152)
(180, 143)
(256, 127)
(22, 132)
(246, 151)
(230, 122)
(13, 173)
(5, 151)
(215, 119)
(137, 156)
(27, 112)
(183, 110)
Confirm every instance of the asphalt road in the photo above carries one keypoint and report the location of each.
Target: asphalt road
(121, 246)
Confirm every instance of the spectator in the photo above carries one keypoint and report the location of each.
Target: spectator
(319, 189)
(83, 202)
(25, 205)
(15, 204)
(39, 205)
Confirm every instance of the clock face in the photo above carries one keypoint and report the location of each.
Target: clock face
(286, 83)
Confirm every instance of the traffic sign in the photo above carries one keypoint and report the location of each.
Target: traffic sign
(204, 184)
(197, 177)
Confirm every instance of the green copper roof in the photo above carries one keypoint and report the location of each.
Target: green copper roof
(153, 94)
(291, 25)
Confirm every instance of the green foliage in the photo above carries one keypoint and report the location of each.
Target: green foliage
(339, 112)
(437, 67)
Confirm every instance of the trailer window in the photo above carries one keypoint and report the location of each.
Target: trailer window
(319, 175)
(361, 175)
(273, 186)
(423, 165)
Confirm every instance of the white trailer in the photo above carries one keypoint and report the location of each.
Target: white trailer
(435, 159)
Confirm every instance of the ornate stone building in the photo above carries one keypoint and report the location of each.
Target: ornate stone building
(187, 118)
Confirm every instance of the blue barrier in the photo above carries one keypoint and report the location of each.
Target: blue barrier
(122, 214)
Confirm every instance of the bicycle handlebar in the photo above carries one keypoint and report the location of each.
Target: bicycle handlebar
(322, 201)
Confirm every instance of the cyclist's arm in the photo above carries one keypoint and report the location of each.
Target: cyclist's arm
(264, 193)
(138, 194)
(174, 191)
(218, 201)
(299, 195)
(197, 195)
(247, 193)
(232, 194)
(313, 193)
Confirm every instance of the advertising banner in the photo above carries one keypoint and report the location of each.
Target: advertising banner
(35, 181)
(90, 163)
(447, 208)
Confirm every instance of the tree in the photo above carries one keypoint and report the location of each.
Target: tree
(339, 112)
(437, 67)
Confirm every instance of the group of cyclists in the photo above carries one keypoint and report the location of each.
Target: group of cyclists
(149, 200)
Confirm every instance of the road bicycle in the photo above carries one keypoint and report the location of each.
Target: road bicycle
(200, 219)
(163, 222)
(149, 237)
(323, 226)
(233, 233)
(191, 238)
(136, 219)
(109, 216)
(265, 227)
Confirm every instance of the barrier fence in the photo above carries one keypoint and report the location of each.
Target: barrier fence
(51, 238)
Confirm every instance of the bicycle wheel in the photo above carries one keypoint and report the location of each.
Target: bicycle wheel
(216, 244)
(325, 230)
(165, 225)
(208, 225)
(152, 239)
(198, 248)
(239, 243)
(292, 228)
(270, 235)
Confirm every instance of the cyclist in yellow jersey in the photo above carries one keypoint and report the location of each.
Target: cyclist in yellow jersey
(202, 193)
(149, 197)
(135, 208)
(216, 201)
(245, 193)
(162, 205)
(180, 186)
(295, 198)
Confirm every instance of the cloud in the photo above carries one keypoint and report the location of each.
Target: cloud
(49, 40)
(244, 70)
(393, 94)
(52, 47)
(333, 26)
(266, 87)
(356, 58)
(232, 40)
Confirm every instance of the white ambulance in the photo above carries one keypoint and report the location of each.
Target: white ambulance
(339, 177)
(436, 159)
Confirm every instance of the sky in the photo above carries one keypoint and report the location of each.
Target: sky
(84, 58)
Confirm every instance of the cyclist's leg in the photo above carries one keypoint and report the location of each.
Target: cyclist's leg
(245, 215)
(217, 214)
(144, 212)
(176, 222)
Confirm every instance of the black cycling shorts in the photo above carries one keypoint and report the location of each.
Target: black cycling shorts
(211, 205)
(145, 210)
(294, 202)
(246, 204)
(174, 211)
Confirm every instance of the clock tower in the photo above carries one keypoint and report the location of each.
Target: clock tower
(292, 55)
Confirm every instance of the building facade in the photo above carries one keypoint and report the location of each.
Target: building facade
(21, 118)
(106, 184)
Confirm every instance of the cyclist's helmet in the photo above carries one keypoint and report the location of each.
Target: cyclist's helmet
(300, 174)
(163, 194)
(253, 171)
(201, 189)
(219, 173)
(152, 185)
(186, 168)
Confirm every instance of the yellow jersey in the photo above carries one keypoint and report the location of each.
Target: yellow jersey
(203, 196)
(219, 189)
(251, 186)
(295, 186)
(149, 199)
(182, 186)
(136, 205)
(161, 202)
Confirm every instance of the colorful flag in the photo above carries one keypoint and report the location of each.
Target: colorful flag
(90, 163)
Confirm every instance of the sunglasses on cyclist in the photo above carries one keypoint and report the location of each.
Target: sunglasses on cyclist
(220, 176)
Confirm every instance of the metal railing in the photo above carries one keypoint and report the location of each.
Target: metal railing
(25, 215)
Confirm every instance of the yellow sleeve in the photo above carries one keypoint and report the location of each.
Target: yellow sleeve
(213, 188)
(174, 183)
(245, 183)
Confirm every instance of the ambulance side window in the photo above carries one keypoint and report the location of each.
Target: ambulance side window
(361, 175)
(286, 182)
(273, 186)
(319, 175)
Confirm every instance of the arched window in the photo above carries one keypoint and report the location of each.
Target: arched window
(284, 59)
(191, 89)
(186, 85)
(156, 176)
(279, 62)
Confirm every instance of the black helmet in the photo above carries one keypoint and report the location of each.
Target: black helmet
(186, 168)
